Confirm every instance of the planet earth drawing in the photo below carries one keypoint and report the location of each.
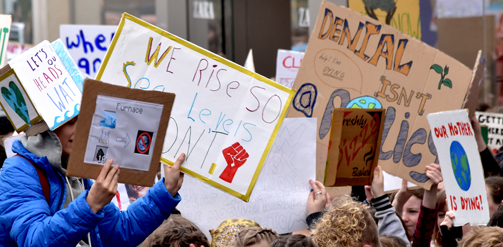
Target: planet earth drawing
(365, 102)
(460, 166)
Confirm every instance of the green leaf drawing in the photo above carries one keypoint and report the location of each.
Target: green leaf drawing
(447, 83)
(437, 68)
(446, 70)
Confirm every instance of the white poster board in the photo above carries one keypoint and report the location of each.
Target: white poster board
(287, 66)
(280, 196)
(461, 166)
(87, 44)
(48, 84)
(494, 122)
(224, 117)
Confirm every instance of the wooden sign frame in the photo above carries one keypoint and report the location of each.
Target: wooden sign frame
(92, 88)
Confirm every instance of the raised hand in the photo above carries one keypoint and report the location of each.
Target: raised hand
(317, 200)
(104, 188)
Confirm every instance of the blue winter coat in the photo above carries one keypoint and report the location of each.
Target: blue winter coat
(27, 219)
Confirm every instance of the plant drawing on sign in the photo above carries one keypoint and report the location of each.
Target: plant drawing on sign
(16, 101)
(443, 72)
(235, 156)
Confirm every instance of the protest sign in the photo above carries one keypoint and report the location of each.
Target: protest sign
(249, 64)
(494, 123)
(125, 124)
(402, 15)
(14, 49)
(5, 25)
(280, 197)
(355, 141)
(472, 97)
(87, 44)
(224, 118)
(287, 66)
(353, 61)
(461, 166)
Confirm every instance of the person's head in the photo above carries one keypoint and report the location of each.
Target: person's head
(442, 209)
(65, 134)
(346, 223)
(6, 128)
(296, 240)
(482, 237)
(254, 236)
(494, 189)
(411, 211)
(176, 231)
(134, 192)
(392, 241)
(225, 233)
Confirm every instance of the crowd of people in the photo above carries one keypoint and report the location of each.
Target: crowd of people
(41, 206)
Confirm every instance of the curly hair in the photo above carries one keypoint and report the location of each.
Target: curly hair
(344, 224)
(176, 231)
(254, 235)
(483, 237)
(296, 240)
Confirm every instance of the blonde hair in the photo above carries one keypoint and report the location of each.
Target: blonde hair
(254, 235)
(344, 224)
(483, 237)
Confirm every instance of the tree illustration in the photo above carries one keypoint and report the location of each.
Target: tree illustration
(443, 72)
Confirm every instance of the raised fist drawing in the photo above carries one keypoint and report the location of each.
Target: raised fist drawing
(235, 156)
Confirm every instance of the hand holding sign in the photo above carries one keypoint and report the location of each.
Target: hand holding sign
(104, 188)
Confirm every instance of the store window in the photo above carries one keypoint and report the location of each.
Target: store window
(21, 30)
(206, 26)
(300, 24)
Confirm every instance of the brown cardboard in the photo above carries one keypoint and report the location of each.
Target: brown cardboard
(355, 142)
(368, 60)
(472, 97)
(92, 88)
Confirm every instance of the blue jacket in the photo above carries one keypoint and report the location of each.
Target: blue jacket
(27, 219)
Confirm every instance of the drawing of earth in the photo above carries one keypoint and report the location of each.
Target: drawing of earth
(460, 166)
(365, 102)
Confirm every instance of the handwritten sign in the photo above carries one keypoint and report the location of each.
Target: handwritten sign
(48, 84)
(355, 141)
(87, 44)
(461, 167)
(5, 23)
(287, 66)
(224, 118)
(494, 122)
(402, 15)
(280, 197)
(353, 61)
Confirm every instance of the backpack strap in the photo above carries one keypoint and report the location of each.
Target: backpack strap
(43, 179)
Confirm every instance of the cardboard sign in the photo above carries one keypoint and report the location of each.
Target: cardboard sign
(355, 141)
(87, 44)
(472, 97)
(461, 167)
(113, 124)
(402, 15)
(287, 66)
(353, 61)
(494, 123)
(48, 84)
(280, 196)
(5, 25)
(224, 118)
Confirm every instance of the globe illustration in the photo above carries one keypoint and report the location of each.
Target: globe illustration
(364, 102)
(460, 166)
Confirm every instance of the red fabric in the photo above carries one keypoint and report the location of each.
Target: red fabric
(424, 226)
(43, 180)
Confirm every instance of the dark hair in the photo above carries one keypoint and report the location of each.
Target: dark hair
(437, 236)
(5, 126)
(497, 217)
(176, 231)
(392, 241)
(495, 183)
(297, 240)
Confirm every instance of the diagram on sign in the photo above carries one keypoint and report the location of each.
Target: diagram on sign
(115, 123)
